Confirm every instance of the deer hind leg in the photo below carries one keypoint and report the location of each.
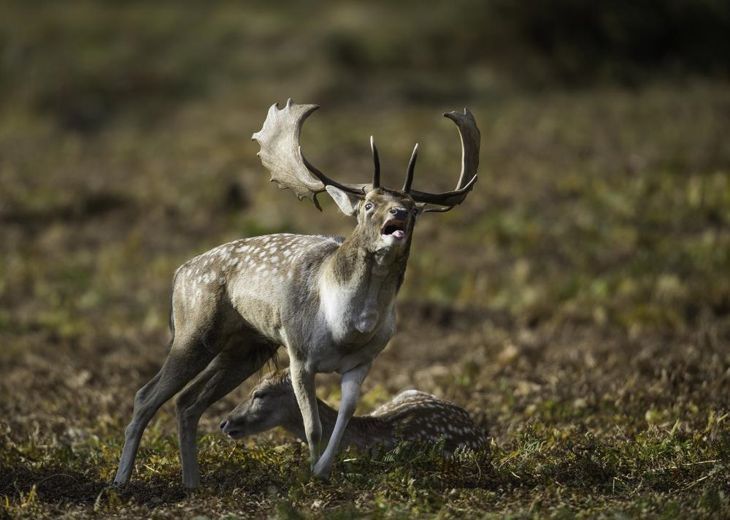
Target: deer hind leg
(232, 366)
(185, 361)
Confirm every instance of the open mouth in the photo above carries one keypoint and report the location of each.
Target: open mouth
(394, 228)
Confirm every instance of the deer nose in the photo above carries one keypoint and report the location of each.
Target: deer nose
(399, 212)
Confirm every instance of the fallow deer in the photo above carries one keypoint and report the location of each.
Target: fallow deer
(411, 416)
(329, 301)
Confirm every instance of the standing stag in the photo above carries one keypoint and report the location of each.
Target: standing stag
(330, 301)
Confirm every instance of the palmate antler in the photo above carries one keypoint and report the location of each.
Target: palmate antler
(281, 154)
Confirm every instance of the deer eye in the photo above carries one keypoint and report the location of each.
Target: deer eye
(368, 206)
(259, 395)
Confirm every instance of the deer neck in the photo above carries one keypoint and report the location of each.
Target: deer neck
(361, 432)
(360, 283)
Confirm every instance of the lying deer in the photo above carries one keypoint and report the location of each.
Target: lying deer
(410, 416)
(330, 301)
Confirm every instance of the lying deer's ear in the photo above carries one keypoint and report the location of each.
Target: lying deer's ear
(345, 201)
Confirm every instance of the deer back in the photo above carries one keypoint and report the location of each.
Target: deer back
(263, 279)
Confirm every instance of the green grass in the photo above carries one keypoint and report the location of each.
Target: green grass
(577, 304)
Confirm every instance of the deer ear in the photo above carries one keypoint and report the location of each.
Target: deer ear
(345, 201)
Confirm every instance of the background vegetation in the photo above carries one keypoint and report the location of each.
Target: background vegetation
(578, 304)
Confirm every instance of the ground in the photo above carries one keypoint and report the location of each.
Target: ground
(577, 304)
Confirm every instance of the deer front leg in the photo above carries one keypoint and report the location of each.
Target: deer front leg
(305, 392)
(350, 386)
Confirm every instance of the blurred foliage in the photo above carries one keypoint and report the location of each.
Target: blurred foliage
(540, 43)
(627, 41)
(86, 62)
(578, 303)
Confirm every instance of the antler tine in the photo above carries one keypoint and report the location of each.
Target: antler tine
(359, 191)
(411, 168)
(376, 163)
(470, 140)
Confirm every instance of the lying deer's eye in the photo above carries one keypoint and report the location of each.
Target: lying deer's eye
(368, 206)
(259, 395)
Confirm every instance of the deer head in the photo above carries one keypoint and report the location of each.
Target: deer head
(270, 404)
(386, 217)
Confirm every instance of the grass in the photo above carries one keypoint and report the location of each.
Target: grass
(578, 303)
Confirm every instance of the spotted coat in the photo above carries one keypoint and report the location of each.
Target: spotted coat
(412, 416)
